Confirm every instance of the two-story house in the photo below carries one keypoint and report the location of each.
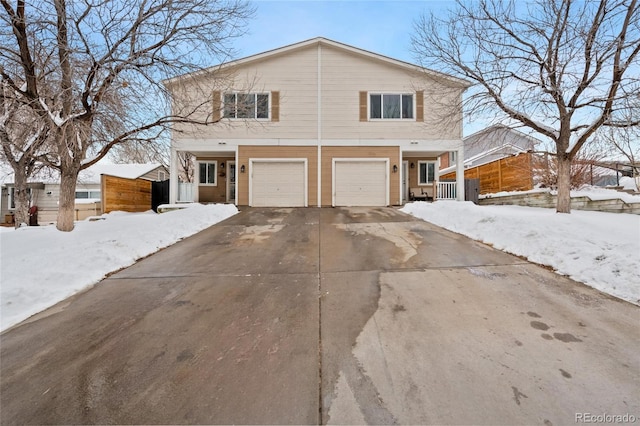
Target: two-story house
(317, 123)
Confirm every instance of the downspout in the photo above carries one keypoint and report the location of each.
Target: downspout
(173, 176)
(319, 76)
(460, 172)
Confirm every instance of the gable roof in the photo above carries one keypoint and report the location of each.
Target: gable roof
(322, 41)
(128, 171)
(495, 137)
(91, 175)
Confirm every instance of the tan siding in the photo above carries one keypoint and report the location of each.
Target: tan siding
(331, 152)
(413, 172)
(293, 75)
(153, 174)
(217, 193)
(345, 74)
(247, 152)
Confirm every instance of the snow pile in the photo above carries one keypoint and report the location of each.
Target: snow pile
(41, 266)
(593, 192)
(599, 249)
(629, 183)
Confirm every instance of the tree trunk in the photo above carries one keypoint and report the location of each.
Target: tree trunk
(67, 203)
(564, 184)
(21, 197)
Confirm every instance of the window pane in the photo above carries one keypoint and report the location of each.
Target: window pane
(230, 105)
(407, 106)
(203, 173)
(263, 106)
(426, 173)
(82, 194)
(211, 172)
(391, 106)
(94, 194)
(246, 106)
(375, 106)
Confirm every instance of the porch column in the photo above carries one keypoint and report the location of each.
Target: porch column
(460, 173)
(173, 177)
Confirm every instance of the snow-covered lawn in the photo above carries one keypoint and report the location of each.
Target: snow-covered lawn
(40, 266)
(601, 250)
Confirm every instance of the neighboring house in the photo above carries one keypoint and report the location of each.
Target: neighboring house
(44, 190)
(317, 123)
(488, 145)
(498, 156)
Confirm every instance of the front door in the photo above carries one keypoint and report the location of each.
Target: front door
(231, 182)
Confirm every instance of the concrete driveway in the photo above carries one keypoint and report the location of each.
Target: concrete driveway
(340, 316)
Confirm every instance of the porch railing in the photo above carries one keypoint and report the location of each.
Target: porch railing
(447, 191)
(186, 193)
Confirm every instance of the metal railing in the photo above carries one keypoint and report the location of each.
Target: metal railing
(186, 192)
(447, 191)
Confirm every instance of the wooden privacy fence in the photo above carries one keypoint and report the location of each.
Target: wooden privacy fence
(507, 174)
(129, 195)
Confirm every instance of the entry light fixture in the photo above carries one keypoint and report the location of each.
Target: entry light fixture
(222, 165)
(413, 165)
(242, 169)
(395, 169)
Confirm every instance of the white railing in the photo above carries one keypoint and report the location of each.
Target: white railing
(186, 192)
(447, 191)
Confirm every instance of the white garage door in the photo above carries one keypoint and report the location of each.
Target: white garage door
(278, 184)
(360, 183)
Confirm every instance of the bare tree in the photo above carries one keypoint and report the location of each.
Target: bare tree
(562, 69)
(24, 139)
(186, 166)
(100, 86)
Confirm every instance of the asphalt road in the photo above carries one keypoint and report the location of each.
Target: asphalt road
(339, 316)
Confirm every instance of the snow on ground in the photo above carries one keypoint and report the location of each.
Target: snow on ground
(40, 266)
(599, 249)
(593, 192)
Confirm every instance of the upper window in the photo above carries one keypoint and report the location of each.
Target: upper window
(390, 106)
(246, 105)
(208, 173)
(426, 172)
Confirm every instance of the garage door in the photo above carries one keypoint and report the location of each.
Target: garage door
(360, 183)
(278, 184)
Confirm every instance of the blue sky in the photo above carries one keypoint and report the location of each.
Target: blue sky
(379, 26)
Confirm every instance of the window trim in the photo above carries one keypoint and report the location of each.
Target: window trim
(255, 112)
(435, 169)
(215, 174)
(88, 192)
(11, 197)
(401, 94)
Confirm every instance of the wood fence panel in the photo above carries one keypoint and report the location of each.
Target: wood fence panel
(507, 174)
(129, 195)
